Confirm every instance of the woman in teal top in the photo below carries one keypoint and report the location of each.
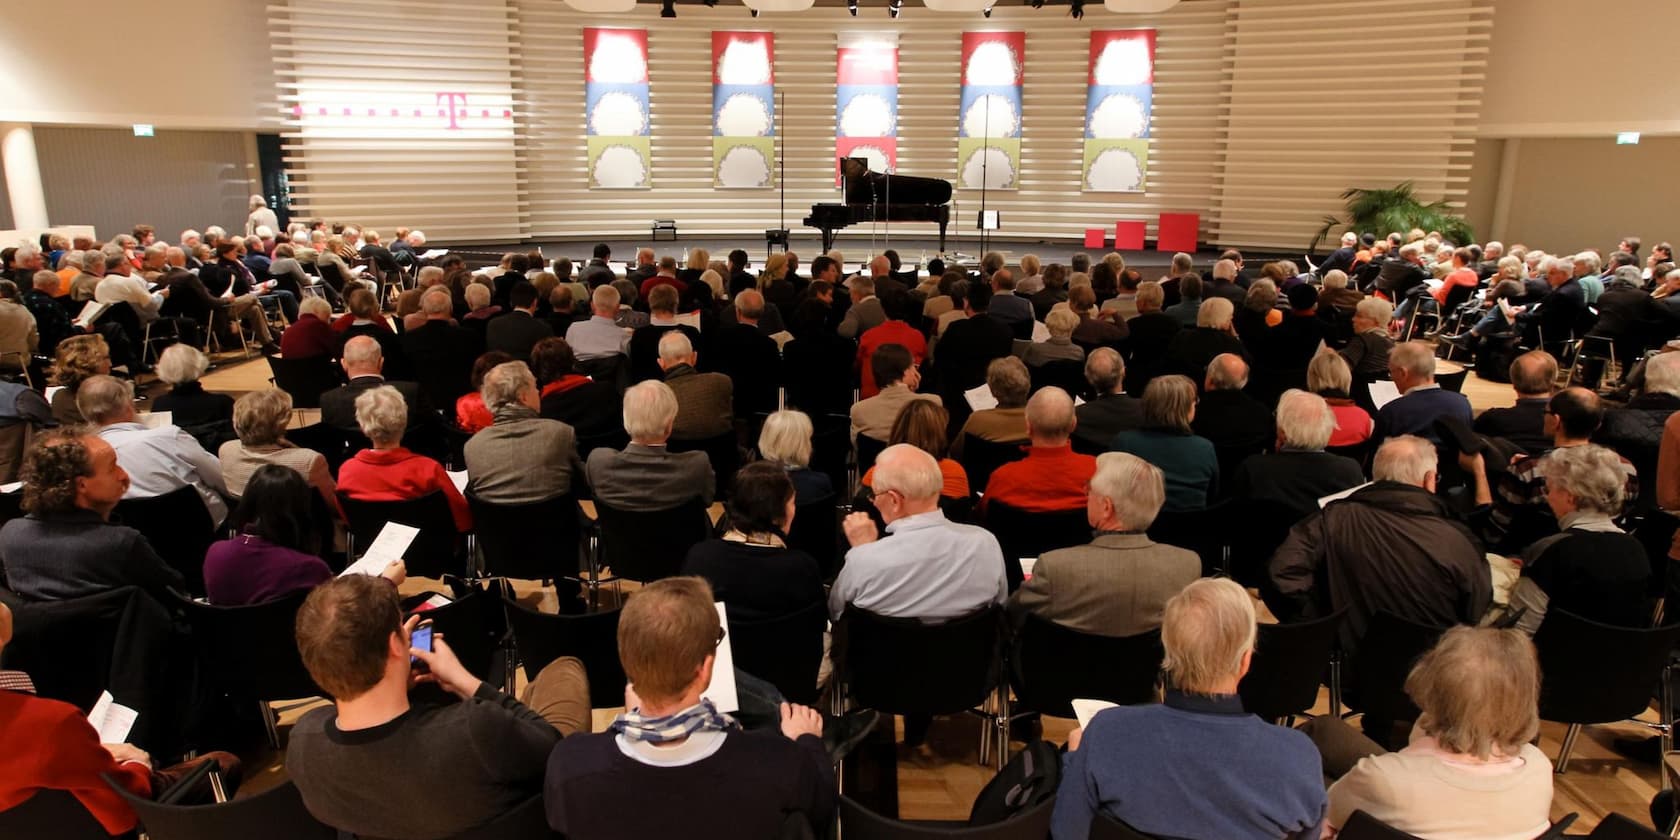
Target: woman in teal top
(1186, 460)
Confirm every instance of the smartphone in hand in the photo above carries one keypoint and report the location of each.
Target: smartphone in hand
(420, 639)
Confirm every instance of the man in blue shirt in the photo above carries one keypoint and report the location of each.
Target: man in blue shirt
(1196, 765)
(1412, 367)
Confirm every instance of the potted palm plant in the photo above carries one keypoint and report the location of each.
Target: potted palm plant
(1398, 208)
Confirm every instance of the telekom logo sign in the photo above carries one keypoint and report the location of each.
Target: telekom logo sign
(450, 105)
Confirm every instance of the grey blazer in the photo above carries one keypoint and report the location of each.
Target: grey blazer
(862, 317)
(647, 478)
(522, 458)
(1115, 586)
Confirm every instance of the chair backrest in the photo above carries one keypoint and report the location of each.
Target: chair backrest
(1052, 665)
(1597, 673)
(816, 531)
(178, 526)
(868, 449)
(1264, 524)
(536, 541)
(275, 814)
(649, 545)
(906, 666)
(332, 443)
(722, 452)
(1105, 827)
(830, 446)
(527, 821)
(251, 652)
(859, 823)
(1027, 534)
(1290, 661)
(1066, 374)
(543, 637)
(306, 379)
(433, 551)
(787, 651)
(1614, 826)
(981, 457)
(1389, 649)
(475, 625)
(1363, 826)
(52, 813)
(1202, 531)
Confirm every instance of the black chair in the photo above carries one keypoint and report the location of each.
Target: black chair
(981, 457)
(1597, 673)
(435, 550)
(1376, 677)
(1264, 524)
(53, 813)
(859, 823)
(1615, 826)
(831, 448)
(648, 545)
(1105, 827)
(1028, 534)
(1050, 666)
(868, 449)
(474, 626)
(541, 638)
(1288, 666)
(178, 526)
(1202, 531)
(906, 666)
(816, 531)
(527, 821)
(332, 443)
(305, 379)
(786, 651)
(250, 653)
(1066, 374)
(722, 452)
(1363, 826)
(537, 541)
(275, 814)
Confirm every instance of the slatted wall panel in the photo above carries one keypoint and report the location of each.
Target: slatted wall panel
(1330, 94)
(361, 88)
(108, 178)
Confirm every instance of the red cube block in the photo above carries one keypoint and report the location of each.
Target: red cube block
(1128, 236)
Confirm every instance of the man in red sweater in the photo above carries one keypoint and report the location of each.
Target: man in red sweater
(894, 330)
(1052, 477)
(51, 746)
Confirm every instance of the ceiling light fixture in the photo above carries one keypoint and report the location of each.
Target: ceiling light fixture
(896, 7)
(755, 13)
(986, 11)
(669, 10)
(851, 6)
(1077, 9)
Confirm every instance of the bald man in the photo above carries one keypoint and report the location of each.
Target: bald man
(364, 365)
(1238, 424)
(1052, 477)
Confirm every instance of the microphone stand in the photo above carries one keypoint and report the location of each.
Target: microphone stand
(985, 161)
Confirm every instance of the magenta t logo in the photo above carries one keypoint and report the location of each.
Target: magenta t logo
(451, 99)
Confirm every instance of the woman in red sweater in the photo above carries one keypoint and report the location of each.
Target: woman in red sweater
(388, 472)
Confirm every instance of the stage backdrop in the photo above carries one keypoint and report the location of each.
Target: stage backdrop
(1118, 101)
(989, 126)
(743, 110)
(866, 100)
(616, 101)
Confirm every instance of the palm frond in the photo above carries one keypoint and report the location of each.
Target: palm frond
(1381, 211)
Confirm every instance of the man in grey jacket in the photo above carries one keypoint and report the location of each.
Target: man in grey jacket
(646, 476)
(521, 458)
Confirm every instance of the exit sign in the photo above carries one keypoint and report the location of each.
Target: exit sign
(142, 130)
(1627, 138)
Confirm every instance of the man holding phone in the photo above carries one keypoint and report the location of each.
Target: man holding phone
(381, 763)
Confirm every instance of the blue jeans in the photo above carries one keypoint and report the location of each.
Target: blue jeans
(288, 303)
(760, 702)
(1490, 322)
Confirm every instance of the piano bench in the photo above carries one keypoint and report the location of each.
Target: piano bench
(669, 225)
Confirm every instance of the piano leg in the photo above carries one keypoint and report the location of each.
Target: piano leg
(828, 239)
(942, 225)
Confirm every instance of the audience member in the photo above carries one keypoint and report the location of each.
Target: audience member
(1009, 383)
(865, 312)
(312, 336)
(591, 407)
(441, 352)
(517, 331)
(1367, 352)
(1191, 349)
(893, 367)
(1096, 328)
(747, 355)
(750, 567)
(388, 472)
(521, 458)
(1014, 311)
(601, 336)
(1111, 411)
(158, 460)
(1237, 424)
(647, 476)
(1533, 376)
(922, 424)
(364, 365)
(1052, 477)
(471, 415)
(260, 419)
(1422, 402)
(79, 359)
(967, 348)
(644, 342)
(705, 401)
(1189, 304)
(1299, 472)
(1187, 461)
(785, 440)
(1328, 376)
(1058, 347)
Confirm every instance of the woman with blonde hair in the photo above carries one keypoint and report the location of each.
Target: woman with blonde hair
(260, 418)
(775, 268)
(1329, 376)
(785, 440)
(79, 358)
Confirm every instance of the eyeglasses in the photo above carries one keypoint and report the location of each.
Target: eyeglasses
(721, 634)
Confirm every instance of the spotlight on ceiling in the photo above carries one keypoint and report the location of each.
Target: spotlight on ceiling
(710, 4)
(986, 11)
(669, 10)
(1077, 10)
(851, 6)
(754, 11)
(1038, 4)
(896, 7)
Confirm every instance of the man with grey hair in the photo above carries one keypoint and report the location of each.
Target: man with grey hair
(600, 337)
(86, 282)
(521, 458)
(643, 269)
(1533, 377)
(1411, 366)
(1221, 282)
(1397, 278)
(1392, 546)
(745, 352)
(158, 460)
(1052, 477)
(440, 352)
(926, 567)
(119, 285)
(1268, 780)
(1629, 320)
(647, 476)
(1298, 472)
(1237, 424)
(1190, 350)
(1117, 584)
(705, 401)
(1636, 430)
(1010, 385)
(1552, 322)
(364, 364)
(1112, 410)
(865, 312)
(1008, 307)
(1341, 259)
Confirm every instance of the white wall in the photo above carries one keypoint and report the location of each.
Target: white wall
(172, 63)
(1574, 193)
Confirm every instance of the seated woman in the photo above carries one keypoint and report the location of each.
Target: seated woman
(1329, 376)
(275, 552)
(922, 424)
(1061, 323)
(591, 408)
(1187, 461)
(470, 413)
(312, 336)
(207, 416)
(260, 419)
(1010, 385)
(1367, 352)
(785, 441)
(1590, 568)
(1469, 771)
(79, 358)
(388, 472)
(750, 568)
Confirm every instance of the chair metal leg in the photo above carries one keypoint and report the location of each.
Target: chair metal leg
(1002, 726)
(269, 726)
(1336, 684)
(1568, 745)
(1665, 697)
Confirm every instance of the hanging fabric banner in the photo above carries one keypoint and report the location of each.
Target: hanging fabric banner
(866, 101)
(989, 122)
(1118, 102)
(743, 110)
(616, 104)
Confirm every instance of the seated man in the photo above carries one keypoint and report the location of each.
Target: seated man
(673, 746)
(1059, 347)
(1300, 472)
(644, 342)
(1235, 422)
(646, 476)
(65, 545)
(1010, 384)
(380, 763)
(705, 401)
(1392, 546)
(1157, 768)
(1052, 477)
(599, 337)
(521, 458)
(158, 461)
(1412, 367)
(896, 372)
(51, 746)
(927, 567)
(1116, 585)
(1533, 375)
(1191, 349)
(441, 353)
(1112, 411)
(364, 363)
(519, 330)
(748, 356)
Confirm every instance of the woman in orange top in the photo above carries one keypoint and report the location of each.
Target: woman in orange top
(922, 423)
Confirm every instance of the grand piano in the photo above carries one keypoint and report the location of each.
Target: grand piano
(879, 197)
